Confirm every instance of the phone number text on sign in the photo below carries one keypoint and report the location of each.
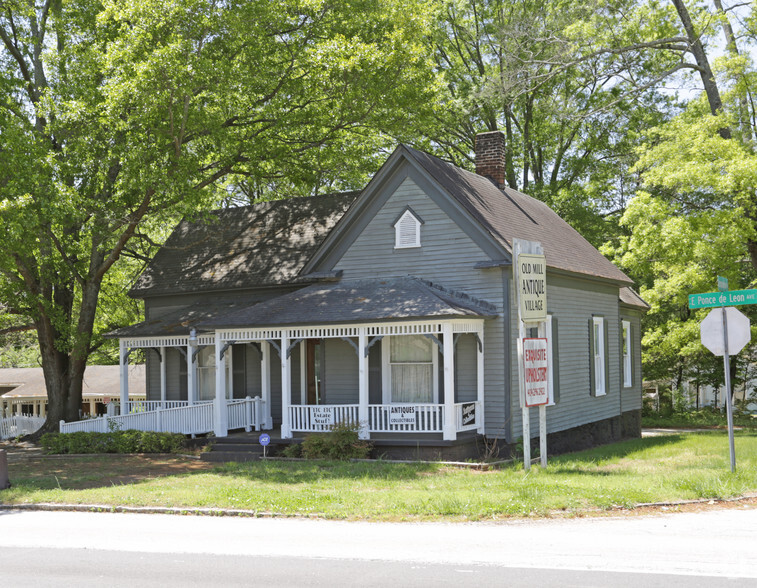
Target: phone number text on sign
(536, 371)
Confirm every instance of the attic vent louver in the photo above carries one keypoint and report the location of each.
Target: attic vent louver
(407, 230)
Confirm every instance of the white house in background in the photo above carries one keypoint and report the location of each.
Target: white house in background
(23, 392)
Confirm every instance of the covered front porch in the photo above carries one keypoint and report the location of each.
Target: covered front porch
(414, 378)
(413, 365)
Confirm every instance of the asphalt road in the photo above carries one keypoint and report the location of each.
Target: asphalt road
(715, 548)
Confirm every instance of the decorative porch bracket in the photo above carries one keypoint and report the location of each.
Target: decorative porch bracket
(256, 345)
(156, 350)
(195, 353)
(478, 340)
(291, 347)
(225, 347)
(182, 351)
(351, 342)
(128, 353)
(439, 344)
(371, 343)
(275, 345)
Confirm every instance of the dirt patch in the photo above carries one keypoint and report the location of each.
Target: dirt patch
(27, 464)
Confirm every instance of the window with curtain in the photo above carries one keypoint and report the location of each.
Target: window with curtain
(411, 366)
(206, 374)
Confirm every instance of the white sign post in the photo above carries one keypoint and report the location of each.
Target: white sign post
(725, 331)
(530, 276)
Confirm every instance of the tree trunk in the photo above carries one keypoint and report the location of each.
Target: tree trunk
(703, 64)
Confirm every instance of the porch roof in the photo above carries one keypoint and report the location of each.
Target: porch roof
(356, 301)
(179, 322)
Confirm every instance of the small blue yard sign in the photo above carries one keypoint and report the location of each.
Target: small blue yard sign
(264, 439)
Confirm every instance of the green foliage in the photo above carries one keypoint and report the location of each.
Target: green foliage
(341, 442)
(120, 117)
(129, 441)
(294, 450)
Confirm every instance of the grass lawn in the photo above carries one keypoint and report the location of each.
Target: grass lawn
(654, 469)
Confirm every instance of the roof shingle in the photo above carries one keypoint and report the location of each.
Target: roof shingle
(264, 244)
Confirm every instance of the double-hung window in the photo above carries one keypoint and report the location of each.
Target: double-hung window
(627, 355)
(411, 366)
(598, 356)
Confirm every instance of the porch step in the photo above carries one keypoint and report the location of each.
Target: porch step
(242, 447)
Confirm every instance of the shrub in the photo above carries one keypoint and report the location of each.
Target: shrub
(130, 441)
(341, 442)
(293, 450)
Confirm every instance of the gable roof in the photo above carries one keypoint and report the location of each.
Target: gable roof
(629, 297)
(267, 243)
(355, 301)
(507, 214)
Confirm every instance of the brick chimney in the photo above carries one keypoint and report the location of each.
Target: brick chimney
(490, 157)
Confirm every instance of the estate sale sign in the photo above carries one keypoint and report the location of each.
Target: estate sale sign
(532, 287)
(322, 415)
(536, 371)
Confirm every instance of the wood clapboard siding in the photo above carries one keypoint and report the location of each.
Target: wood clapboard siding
(632, 395)
(341, 373)
(573, 303)
(465, 369)
(446, 256)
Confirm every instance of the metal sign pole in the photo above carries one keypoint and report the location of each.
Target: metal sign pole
(728, 402)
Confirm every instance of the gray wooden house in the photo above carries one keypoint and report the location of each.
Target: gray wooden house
(392, 308)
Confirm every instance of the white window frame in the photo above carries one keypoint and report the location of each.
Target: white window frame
(386, 367)
(627, 355)
(598, 333)
(206, 368)
(402, 231)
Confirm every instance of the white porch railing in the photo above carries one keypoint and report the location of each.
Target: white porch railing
(245, 413)
(149, 405)
(406, 418)
(316, 419)
(193, 419)
(384, 418)
(20, 425)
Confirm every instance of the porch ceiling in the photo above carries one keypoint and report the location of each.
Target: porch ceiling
(356, 301)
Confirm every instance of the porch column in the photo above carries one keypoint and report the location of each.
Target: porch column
(286, 387)
(450, 418)
(265, 384)
(42, 408)
(162, 377)
(220, 412)
(124, 373)
(480, 381)
(362, 411)
(191, 372)
(92, 407)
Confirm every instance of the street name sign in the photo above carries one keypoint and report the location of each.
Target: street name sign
(729, 298)
(722, 284)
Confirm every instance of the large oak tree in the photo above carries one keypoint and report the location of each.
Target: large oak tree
(117, 116)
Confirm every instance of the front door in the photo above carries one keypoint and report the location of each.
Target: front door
(314, 370)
